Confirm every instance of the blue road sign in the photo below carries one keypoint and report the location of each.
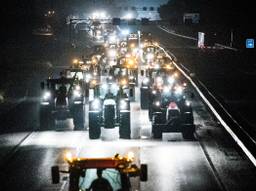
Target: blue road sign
(250, 43)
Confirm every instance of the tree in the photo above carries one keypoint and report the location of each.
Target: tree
(175, 9)
(226, 12)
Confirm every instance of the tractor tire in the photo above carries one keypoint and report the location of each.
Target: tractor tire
(143, 172)
(124, 125)
(94, 125)
(157, 132)
(79, 117)
(144, 98)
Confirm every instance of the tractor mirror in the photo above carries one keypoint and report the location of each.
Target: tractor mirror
(42, 85)
(55, 174)
(144, 172)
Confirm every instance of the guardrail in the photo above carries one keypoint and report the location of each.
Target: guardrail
(236, 131)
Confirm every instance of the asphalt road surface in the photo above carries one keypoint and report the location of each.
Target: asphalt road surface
(210, 162)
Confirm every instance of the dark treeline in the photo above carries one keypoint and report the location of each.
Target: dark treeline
(19, 17)
(227, 12)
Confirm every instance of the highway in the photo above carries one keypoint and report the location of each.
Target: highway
(212, 161)
(228, 74)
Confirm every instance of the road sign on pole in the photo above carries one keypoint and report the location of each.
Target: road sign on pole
(200, 43)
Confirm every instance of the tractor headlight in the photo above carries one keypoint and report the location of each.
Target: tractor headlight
(77, 87)
(187, 103)
(114, 87)
(157, 66)
(130, 156)
(77, 93)
(166, 89)
(88, 78)
(178, 90)
(123, 105)
(145, 81)
(96, 104)
(125, 32)
(112, 39)
(105, 86)
(112, 53)
(150, 56)
(154, 92)
(157, 103)
(171, 80)
(46, 95)
(123, 82)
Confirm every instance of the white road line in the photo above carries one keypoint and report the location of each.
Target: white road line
(63, 185)
(224, 46)
(175, 34)
(223, 123)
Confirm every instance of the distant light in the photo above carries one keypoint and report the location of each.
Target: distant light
(123, 82)
(178, 90)
(96, 104)
(166, 89)
(125, 32)
(88, 78)
(102, 15)
(159, 79)
(112, 53)
(128, 16)
(75, 61)
(114, 87)
(150, 56)
(105, 86)
(157, 66)
(69, 157)
(171, 80)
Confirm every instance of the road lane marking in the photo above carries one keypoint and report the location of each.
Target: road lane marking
(212, 167)
(175, 34)
(63, 185)
(14, 150)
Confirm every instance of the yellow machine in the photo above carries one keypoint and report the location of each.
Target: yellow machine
(117, 170)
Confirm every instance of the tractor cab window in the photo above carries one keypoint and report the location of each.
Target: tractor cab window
(79, 75)
(109, 174)
(62, 87)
